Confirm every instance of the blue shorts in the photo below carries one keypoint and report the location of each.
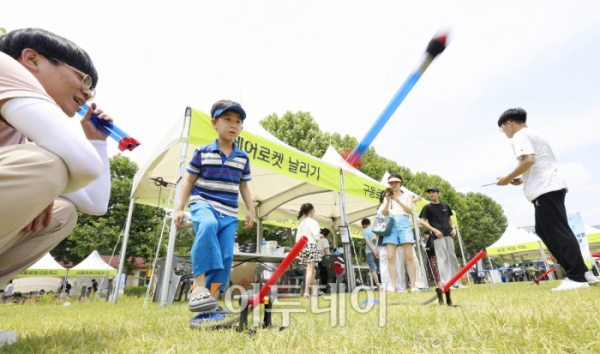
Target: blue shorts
(212, 251)
(401, 232)
(373, 262)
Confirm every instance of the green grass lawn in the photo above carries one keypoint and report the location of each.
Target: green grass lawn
(510, 318)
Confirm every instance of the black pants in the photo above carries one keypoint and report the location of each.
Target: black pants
(552, 227)
(322, 273)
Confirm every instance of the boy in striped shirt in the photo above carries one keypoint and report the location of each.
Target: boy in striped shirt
(217, 174)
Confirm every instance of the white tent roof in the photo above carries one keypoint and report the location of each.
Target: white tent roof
(47, 263)
(514, 236)
(591, 230)
(92, 262)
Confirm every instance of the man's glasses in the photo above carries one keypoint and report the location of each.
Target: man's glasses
(86, 80)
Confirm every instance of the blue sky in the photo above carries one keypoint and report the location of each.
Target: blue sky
(343, 61)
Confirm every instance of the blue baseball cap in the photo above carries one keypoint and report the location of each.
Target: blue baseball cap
(233, 108)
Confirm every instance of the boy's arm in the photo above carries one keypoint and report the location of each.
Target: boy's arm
(524, 165)
(247, 197)
(186, 189)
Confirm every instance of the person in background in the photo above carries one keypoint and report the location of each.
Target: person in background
(94, 285)
(8, 291)
(324, 247)
(310, 254)
(432, 270)
(398, 205)
(437, 217)
(323, 244)
(384, 264)
(546, 190)
(370, 252)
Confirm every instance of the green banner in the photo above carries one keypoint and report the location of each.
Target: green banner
(91, 272)
(525, 247)
(42, 273)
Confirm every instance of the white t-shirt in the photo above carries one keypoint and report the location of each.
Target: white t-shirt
(309, 227)
(9, 289)
(543, 176)
(323, 244)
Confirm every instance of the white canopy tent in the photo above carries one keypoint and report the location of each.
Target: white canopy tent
(283, 178)
(92, 267)
(515, 243)
(44, 274)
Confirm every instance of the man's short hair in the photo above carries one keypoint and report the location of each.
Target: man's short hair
(365, 222)
(514, 114)
(49, 45)
(222, 104)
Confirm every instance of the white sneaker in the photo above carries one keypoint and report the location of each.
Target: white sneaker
(591, 278)
(7, 337)
(459, 286)
(401, 291)
(568, 284)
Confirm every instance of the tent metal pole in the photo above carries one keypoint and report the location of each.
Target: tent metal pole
(259, 230)
(123, 251)
(335, 234)
(419, 244)
(491, 267)
(164, 293)
(462, 252)
(347, 250)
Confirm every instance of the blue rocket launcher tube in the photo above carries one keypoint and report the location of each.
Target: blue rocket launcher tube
(109, 128)
(436, 46)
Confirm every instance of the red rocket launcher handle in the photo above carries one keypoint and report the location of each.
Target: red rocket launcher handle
(260, 297)
(543, 275)
(464, 270)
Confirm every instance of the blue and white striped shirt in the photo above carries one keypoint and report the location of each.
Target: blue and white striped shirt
(219, 177)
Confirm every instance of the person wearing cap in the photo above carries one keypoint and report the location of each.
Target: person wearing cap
(436, 217)
(546, 190)
(216, 175)
(398, 205)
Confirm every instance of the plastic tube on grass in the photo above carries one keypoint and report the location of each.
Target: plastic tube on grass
(125, 141)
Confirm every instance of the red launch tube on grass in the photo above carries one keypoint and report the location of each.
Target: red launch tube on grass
(260, 297)
(464, 270)
(543, 275)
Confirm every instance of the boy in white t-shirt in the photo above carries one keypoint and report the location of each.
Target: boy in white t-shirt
(546, 190)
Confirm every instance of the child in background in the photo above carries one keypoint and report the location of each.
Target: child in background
(217, 174)
(310, 254)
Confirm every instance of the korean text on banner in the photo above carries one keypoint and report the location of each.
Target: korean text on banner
(578, 227)
(271, 156)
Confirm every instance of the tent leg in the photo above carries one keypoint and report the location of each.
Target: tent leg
(491, 267)
(259, 230)
(173, 231)
(123, 251)
(347, 250)
(462, 252)
(419, 244)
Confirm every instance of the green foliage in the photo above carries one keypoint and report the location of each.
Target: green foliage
(138, 291)
(102, 232)
(481, 220)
